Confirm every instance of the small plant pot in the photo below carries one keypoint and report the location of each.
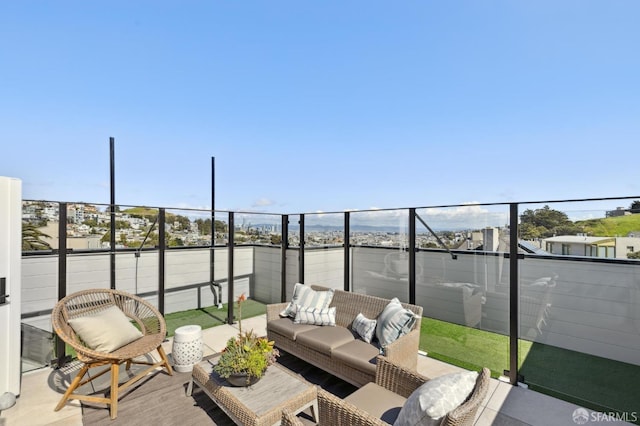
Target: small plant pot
(242, 379)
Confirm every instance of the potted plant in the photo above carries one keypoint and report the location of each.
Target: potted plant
(246, 357)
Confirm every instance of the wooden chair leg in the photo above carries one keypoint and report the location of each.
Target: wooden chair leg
(115, 376)
(72, 387)
(165, 360)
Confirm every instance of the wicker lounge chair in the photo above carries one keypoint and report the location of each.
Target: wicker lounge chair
(140, 312)
(392, 386)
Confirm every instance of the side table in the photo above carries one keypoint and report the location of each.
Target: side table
(187, 347)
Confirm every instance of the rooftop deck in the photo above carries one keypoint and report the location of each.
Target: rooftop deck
(504, 405)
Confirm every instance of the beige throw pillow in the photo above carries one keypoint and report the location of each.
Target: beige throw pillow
(106, 330)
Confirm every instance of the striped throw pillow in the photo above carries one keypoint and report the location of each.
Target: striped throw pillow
(315, 316)
(304, 295)
(394, 322)
(365, 327)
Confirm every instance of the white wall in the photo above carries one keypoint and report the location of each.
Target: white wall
(10, 266)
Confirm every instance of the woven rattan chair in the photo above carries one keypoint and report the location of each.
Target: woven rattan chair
(396, 380)
(142, 314)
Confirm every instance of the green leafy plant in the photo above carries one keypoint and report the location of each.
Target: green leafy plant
(246, 353)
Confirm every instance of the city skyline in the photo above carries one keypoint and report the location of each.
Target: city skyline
(321, 107)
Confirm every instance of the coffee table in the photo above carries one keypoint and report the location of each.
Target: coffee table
(260, 404)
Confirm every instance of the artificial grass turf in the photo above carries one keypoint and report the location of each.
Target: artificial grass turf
(590, 381)
(211, 316)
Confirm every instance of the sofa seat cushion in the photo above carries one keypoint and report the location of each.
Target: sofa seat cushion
(287, 328)
(324, 339)
(377, 401)
(358, 354)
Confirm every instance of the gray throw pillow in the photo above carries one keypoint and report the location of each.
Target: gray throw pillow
(364, 327)
(394, 322)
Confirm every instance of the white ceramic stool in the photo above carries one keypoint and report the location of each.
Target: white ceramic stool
(187, 347)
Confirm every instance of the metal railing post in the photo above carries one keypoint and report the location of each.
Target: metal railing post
(161, 258)
(412, 256)
(230, 248)
(283, 257)
(62, 276)
(301, 252)
(513, 294)
(347, 252)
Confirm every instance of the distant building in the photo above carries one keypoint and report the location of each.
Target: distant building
(619, 211)
(580, 245)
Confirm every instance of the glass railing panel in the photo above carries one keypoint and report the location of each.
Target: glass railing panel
(188, 234)
(323, 250)
(37, 347)
(39, 280)
(379, 259)
(579, 303)
(257, 258)
(462, 283)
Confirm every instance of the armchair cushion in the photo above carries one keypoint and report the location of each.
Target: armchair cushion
(433, 400)
(304, 295)
(393, 322)
(106, 330)
(377, 401)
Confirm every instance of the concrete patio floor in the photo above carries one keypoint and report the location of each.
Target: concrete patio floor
(504, 405)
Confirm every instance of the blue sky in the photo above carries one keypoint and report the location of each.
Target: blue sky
(321, 106)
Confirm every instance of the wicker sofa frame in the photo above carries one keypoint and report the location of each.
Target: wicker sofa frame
(403, 351)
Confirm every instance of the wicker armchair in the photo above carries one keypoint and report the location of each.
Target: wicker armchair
(142, 314)
(392, 386)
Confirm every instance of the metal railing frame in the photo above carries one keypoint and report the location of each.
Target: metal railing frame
(512, 255)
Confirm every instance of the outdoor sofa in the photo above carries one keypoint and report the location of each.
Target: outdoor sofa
(340, 348)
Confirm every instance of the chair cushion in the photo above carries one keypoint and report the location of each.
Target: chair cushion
(394, 322)
(433, 400)
(315, 316)
(105, 331)
(304, 295)
(364, 327)
(325, 339)
(287, 328)
(377, 401)
(357, 354)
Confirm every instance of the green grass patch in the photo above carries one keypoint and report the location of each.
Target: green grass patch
(610, 226)
(211, 316)
(597, 383)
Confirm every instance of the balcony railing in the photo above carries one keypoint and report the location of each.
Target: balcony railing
(491, 298)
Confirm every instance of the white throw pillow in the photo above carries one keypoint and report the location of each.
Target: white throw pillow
(393, 322)
(315, 316)
(303, 295)
(106, 330)
(428, 404)
(364, 327)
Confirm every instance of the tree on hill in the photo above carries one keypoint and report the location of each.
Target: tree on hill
(635, 207)
(546, 222)
(32, 238)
